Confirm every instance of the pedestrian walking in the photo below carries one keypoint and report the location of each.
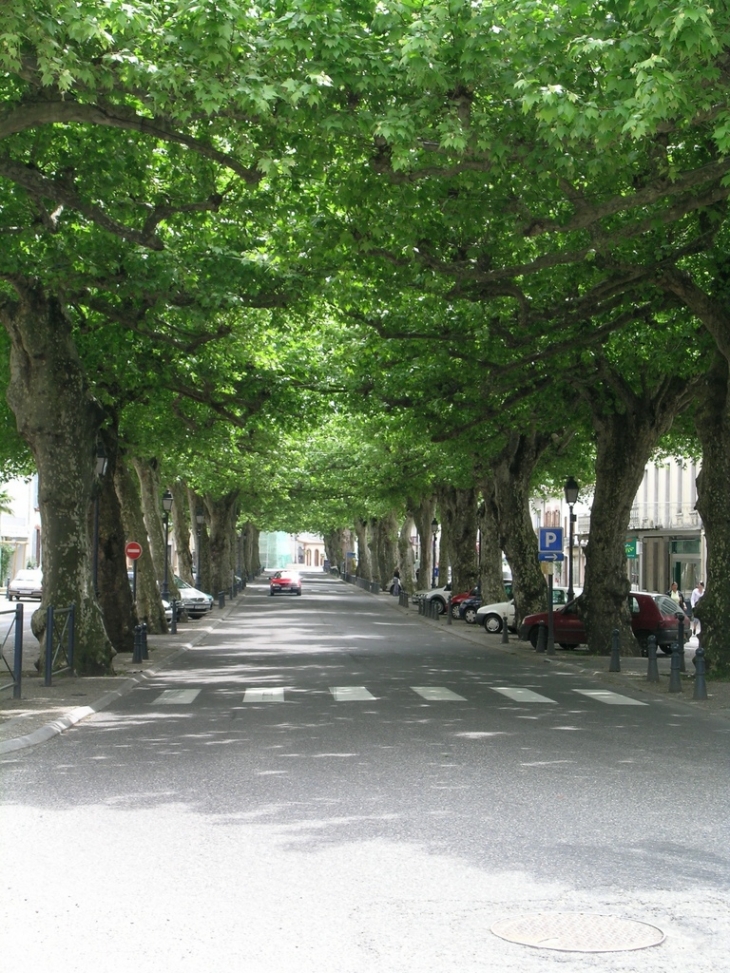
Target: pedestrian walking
(676, 595)
(694, 598)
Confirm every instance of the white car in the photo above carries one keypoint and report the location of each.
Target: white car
(26, 584)
(490, 616)
(195, 602)
(439, 595)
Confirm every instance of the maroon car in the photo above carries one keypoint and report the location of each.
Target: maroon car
(285, 581)
(651, 614)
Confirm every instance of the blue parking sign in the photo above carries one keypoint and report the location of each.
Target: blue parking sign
(551, 538)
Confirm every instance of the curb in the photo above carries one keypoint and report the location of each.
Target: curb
(74, 716)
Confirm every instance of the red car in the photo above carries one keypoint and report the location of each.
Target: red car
(651, 614)
(285, 581)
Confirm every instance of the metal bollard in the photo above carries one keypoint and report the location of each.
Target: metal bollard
(700, 683)
(505, 633)
(173, 617)
(145, 652)
(680, 639)
(652, 672)
(675, 680)
(49, 647)
(18, 651)
(137, 653)
(221, 599)
(541, 637)
(615, 663)
(448, 609)
(7, 590)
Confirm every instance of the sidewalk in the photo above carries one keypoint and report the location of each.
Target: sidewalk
(45, 711)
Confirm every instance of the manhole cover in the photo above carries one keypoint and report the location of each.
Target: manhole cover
(578, 932)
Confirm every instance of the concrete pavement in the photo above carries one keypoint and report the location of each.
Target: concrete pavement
(44, 711)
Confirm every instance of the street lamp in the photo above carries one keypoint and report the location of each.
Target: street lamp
(100, 468)
(434, 532)
(166, 508)
(199, 520)
(571, 495)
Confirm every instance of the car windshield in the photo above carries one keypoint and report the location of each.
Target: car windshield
(181, 584)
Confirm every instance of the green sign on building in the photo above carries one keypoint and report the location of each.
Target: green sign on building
(631, 547)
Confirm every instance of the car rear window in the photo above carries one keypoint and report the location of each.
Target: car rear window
(667, 606)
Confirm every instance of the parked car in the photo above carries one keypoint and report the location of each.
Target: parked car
(469, 607)
(196, 603)
(651, 614)
(490, 616)
(26, 584)
(285, 581)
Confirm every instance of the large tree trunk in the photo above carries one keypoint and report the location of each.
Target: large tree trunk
(385, 536)
(364, 564)
(59, 419)
(222, 517)
(115, 593)
(148, 603)
(491, 573)
(181, 524)
(459, 518)
(713, 504)
(151, 496)
(627, 432)
(713, 430)
(423, 514)
(512, 476)
(201, 568)
(406, 558)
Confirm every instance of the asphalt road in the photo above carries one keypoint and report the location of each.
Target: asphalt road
(326, 784)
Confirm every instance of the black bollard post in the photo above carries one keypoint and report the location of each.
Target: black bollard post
(221, 599)
(541, 637)
(675, 679)
(173, 617)
(615, 663)
(700, 692)
(505, 633)
(145, 651)
(652, 672)
(680, 639)
(450, 620)
(137, 654)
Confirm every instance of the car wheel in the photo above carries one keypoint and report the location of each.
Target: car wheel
(455, 611)
(298, 592)
(564, 645)
(470, 616)
(493, 624)
(440, 605)
(272, 592)
(534, 632)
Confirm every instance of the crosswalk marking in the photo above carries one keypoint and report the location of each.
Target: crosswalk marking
(606, 696)
(177, 696)
(522, 695)
(347, 694)
(351, 694)
(436, 693)
(266, 694)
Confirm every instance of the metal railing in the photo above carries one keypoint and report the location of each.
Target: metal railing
(16, 670)
(60, 641)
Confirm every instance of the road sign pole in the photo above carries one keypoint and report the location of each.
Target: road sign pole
(551, 628)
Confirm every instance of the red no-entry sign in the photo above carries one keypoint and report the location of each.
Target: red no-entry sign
(133, 550)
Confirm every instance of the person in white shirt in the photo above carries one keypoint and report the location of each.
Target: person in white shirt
(697, 593)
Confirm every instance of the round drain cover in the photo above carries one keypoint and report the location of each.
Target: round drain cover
(578, 932)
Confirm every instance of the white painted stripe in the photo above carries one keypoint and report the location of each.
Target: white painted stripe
(613, 699)
(177, 696)
(350, 694)
(522, 695)
(265, 694)
(436, 693)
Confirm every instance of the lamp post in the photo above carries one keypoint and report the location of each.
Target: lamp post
(199, 520)
(434, 532)
(166, 508)
(571, 495)
(100, 468)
